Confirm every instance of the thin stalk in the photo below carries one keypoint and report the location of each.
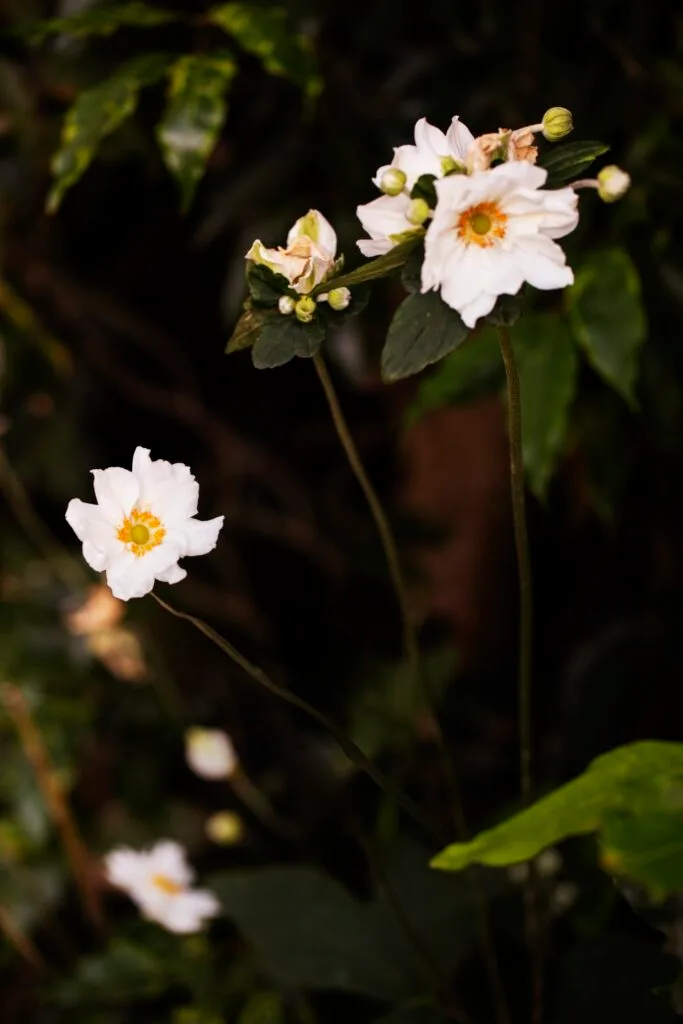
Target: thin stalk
(21, 942)
(514, 404)
(353, 752)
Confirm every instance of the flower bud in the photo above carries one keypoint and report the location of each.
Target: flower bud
(225, 828)
(339, 298)
(557, 122)
(392, 182)
(418, 211)
(613, 183)
(286, 304)
(449, 165)
(305, 309)
(210, 753)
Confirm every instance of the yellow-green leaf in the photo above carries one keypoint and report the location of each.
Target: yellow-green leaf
(99, 20)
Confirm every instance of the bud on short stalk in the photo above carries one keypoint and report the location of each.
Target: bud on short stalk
(613, 183)
(418, 211)
(305, 309)
(339, 298)
(392, 182)
(286, 304)
(557, 122)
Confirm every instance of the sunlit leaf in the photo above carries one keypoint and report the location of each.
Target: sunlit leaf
(99, 20)
(424, 330)
(196, 109)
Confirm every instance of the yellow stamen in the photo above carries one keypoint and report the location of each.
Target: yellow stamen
(141, 531)
(482, 224)
(166, 885)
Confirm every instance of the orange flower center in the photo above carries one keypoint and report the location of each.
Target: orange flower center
(167, 885)
(141, 531)
(482, 224)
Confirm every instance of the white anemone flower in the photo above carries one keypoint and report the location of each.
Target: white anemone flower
(434, 152)
(158, 880)
(309, 256)
(492, 231)
(386, 221)
(143, 523)
(210, 753)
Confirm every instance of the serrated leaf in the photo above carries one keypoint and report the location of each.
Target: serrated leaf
(382, 266)
(548, 367)
(639, 783)
(606, 312)
(424, 329)
(282, 338)
(194, 115)
(247, 330)
(265, 33)
(97, 112)
(569, 160)
(265, 286)
(98, 20)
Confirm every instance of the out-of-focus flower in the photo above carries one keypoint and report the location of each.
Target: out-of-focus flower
(143, 523)
(100, 610)
(612, 183)
(309, 256)
(225, 828)
(434, 152)
(158, 880)
(210, 753)
(492, 231)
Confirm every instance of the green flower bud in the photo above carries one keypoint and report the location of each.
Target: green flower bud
(305, 309)
(613, 183)
(449, 165)
(418, 211)
(557, 122)
(339, 298)
(225, 828)
(286, 304)
(392, 182)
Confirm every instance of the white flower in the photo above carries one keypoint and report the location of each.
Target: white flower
(159, 880)
(386, 221)
(142, 524)
(309, 256)
(492, 231)
(210, 753)
(433, 153)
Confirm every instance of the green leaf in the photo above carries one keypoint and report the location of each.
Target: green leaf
(568, 160)
(624, 796)
(284, 337)
(97, 112)
(247, 329)
(265, 286)
(311, 933)
(411, 273)
(194, 116)
(548, 366)
(265, 33)
(122, 972)
(424, 330)
(98, 20)
(606, 312)
(263, 1008)
(374, 269)
(424, 189)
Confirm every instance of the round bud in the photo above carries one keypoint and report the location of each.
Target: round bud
(286, 304)
(339, 298)
(557, 122)
(305, 309)
(225, 828)
(392, 182)
(613, 183)
(418, 211)
(449, 165)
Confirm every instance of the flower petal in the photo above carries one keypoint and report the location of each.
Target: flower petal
(117, 491)
(168, 858)
(168, 489)
(174, 574)
(459, 139)
(318, 229)
(196, 536)
(88, 523)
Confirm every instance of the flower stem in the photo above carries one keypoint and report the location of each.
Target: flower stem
(353, 752)
(514, 403)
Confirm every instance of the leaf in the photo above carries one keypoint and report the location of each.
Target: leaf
(313, 934)
(424, 189)
(379, 267)
(548, 366)
(606, 312)
(98, 20)
(284, 337)
(263, 1008)
(474, 368)
(247, 330)
(97, 112)
(413, 1015)
(649, 848)
(194, 116)
(636, 781)
(264, 32)
(122, 972)
(265, 286)
(567, 161)
(411, 273)
(424, 329)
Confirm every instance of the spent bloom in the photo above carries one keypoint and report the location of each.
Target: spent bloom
(308, 257)
(142, 524)
(492, 231)
(159, 881)
(210, 753)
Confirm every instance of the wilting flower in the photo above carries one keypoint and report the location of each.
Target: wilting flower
(492, 231)
(386, 221)
(309, 256)
(159, 880)
(143, 523)
(501, 145)
(433, 153)
(210, 753)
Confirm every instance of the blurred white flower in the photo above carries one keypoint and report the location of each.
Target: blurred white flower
(492, 231)
(143, 523)
(433, 153)
(309, 256)
(386, 221)
(158, 880)
(210, 753)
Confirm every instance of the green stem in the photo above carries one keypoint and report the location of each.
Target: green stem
(353, 752)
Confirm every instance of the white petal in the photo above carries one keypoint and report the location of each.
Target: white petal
(117, 491)
(415, 162)
(375, 246)
(543, 264)
(188, 912)
(172, 575)
(385, 216)
(131, 575)
(169, 490)
(459, 139)
(168, 858)
(125, 867)
(96, 559)
(89, 524)
(480, 306)
(517, 174)
(196, 536)
(430, 138)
